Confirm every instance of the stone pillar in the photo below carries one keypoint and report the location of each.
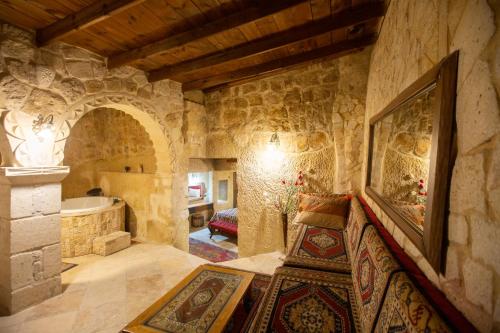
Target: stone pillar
(30, 252)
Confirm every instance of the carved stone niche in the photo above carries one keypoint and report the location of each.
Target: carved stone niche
(411, 153)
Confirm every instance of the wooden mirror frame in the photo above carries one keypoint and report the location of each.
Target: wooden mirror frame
(431, 242)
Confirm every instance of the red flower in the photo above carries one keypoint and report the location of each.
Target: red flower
(301, 183)
(421, 181)
(300, 176)
(296, 183)
(283, 182)
(420, 186)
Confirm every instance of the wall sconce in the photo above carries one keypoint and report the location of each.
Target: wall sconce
(41, 141)
(43, 128)
(274, 143)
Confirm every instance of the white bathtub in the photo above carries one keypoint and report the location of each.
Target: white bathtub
(85, 205)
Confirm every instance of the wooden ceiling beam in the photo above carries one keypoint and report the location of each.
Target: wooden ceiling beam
(251, 14)
(258, 71)
(346, 18)
(86, 17)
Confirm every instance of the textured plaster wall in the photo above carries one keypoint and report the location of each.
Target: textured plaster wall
(318, 113)
(68, 82)
(415, 36)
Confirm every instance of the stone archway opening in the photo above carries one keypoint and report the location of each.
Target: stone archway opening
(129, 158)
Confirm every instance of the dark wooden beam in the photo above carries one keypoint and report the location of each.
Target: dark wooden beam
(86, 17)
(258, 71)
(346, 18)
(228, 22)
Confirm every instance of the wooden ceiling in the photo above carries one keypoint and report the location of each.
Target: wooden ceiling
(205, 44)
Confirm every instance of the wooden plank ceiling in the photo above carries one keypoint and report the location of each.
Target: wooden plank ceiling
(205, 44)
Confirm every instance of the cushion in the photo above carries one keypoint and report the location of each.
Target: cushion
(320, 220)
(322, 205)
(405, 309)
(300, 300)
(319, 248)
(355, 224)
(371, 270)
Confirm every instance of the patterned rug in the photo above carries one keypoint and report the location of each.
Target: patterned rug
(301, 300)
(210, 252)
(319, 248)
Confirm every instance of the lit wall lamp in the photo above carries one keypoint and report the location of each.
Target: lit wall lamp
(43, 127)
(41, 141)
(273, 144)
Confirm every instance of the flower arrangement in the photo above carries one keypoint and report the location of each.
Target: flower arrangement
(284, 203)
(421, 193)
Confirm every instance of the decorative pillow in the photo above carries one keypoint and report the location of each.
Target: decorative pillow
(194, 192)
(328, 211)
(320, 220)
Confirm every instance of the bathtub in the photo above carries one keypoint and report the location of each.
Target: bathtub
(85, 205)
(84, 219)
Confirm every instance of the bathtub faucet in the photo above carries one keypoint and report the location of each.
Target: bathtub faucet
(95, 192)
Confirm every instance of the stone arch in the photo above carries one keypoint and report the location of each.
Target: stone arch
(162, 223)
(143, 112)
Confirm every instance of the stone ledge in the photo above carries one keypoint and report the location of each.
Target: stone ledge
(109, 244)
(32, 176)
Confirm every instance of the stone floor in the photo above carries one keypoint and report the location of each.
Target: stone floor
(102, 294)
(222, 241)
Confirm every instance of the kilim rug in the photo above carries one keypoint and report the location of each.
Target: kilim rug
(300, 300)
(210, 252)
(319, 248)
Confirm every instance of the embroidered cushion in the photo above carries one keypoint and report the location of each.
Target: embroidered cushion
(355, 224)
(405, 309)
(371, 270)
(306, 300)
(319, 248)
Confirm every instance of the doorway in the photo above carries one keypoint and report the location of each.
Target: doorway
(213, 212)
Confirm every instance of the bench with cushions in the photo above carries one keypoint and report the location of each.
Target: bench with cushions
(352, 278)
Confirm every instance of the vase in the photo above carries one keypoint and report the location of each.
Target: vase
(284, 223)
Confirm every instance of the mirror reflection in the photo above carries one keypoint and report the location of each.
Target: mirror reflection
(401, 156)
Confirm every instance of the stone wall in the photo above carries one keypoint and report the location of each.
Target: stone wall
(68, 82)
(318, 113)
(415, 36)
(30, 251)
(94, 146)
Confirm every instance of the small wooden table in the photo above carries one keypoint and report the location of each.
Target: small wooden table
(204, 301)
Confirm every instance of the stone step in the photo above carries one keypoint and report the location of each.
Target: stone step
(114, 242)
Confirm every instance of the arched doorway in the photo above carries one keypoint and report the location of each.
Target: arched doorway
(110, 150)
(164, 217)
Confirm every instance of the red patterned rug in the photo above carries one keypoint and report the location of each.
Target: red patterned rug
(210, 252)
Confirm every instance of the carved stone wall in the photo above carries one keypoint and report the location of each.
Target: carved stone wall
(318, 113)
(415, 36)
(68, 82)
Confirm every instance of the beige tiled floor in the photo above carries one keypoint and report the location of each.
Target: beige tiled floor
(102, 294)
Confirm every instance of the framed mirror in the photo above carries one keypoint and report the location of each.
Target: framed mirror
(411, 153)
